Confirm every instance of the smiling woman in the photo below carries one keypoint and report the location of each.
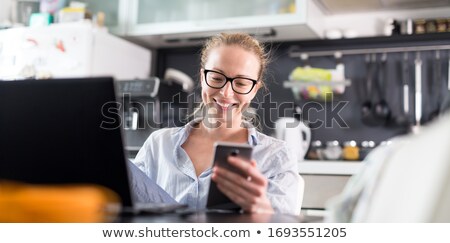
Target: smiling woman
(180, 159)
(242, 52)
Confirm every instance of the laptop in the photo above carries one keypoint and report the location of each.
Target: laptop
(64, 131)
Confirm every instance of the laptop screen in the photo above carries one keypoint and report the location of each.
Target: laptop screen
(61, 131)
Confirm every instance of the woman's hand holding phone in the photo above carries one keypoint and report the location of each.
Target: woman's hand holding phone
(249, 191)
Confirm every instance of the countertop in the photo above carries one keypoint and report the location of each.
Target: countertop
(329, 167)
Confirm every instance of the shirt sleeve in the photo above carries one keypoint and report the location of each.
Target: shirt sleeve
(285, 189)
(144, 156)
(144, 189)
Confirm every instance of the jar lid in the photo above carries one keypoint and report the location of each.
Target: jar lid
(368, 144)
(333, 143)
(386, 143)
(351, 143)
(316, 143)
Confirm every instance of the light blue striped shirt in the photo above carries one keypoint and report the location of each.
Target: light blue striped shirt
(164, 160)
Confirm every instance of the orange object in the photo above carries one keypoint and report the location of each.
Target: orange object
(60, 46)
(350, 151)
(22, 203)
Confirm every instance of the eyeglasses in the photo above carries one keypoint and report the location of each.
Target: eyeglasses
(217, 80)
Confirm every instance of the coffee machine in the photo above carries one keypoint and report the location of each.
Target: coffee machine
(140, 111)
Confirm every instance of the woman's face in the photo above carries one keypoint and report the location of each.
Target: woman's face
(233, 61)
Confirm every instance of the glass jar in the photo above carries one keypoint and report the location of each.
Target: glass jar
(441, 25)
(350, 151)
(366, 147)
(333, 150)
(385, 143)
(430, 26)
(315, 151)
(448, 25)
(419, 26)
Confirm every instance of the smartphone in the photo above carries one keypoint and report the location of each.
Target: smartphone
(216, 199)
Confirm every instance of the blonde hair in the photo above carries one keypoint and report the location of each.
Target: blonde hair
(242, 40)
(246, 42)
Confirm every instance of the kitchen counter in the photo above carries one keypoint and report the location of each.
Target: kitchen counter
(329, 167)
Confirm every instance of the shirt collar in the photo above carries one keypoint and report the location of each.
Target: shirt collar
(252, 134)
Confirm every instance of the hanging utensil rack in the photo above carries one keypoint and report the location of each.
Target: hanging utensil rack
(293, 53)
(299, 54)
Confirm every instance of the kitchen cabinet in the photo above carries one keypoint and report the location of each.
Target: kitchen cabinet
(324, 180)
(183, 22)
(116, 13)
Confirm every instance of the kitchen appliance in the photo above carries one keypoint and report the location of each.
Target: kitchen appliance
(296, 134)
(140, 110)
(70, 50)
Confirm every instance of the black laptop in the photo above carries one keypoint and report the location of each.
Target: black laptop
(61, 131)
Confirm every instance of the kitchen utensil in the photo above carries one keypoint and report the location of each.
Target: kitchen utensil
(403, 118)
(366, 107)
(418, 92)
(435, 91)
(381, 111)
(405, 84)
(368, 113)
(445, 105)
(338, 74)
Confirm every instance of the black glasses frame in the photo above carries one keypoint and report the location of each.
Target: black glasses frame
(206, 71)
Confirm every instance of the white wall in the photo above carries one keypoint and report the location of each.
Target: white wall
(372, 23)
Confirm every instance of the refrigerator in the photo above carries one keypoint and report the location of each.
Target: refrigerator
(70, 50)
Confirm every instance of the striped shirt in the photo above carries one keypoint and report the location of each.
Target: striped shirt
(164, 160)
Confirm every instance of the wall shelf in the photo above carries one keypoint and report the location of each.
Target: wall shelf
(366, 45)
(301, 84)
(370, 51)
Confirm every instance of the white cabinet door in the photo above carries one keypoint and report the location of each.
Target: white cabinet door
(165, 22)
(178, 16)
(116, 13)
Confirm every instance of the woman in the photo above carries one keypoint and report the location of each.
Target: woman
(179, 159)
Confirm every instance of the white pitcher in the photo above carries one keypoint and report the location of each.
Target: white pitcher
(296, 134)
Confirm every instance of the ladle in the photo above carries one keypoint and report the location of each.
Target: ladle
(381, 111)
